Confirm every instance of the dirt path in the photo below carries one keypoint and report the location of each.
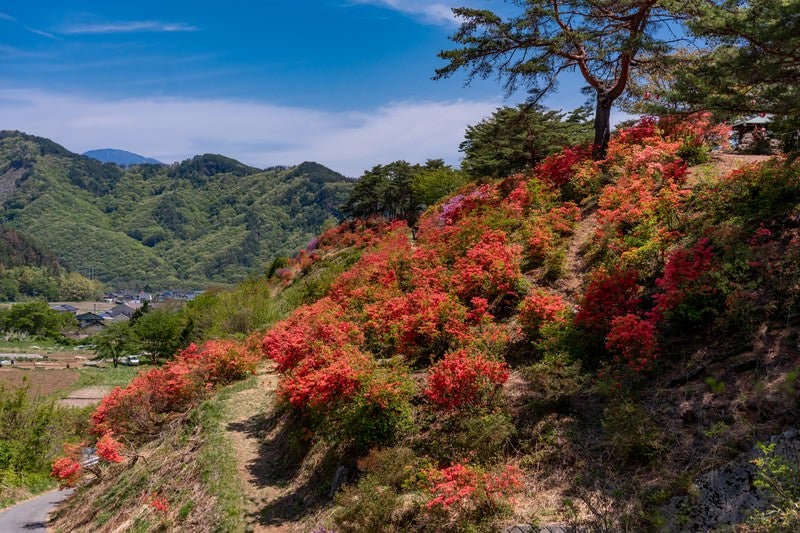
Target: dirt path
(252, 427)
(570, 283)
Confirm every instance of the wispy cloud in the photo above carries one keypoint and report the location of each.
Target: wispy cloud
(258, 134)
(6, 16)
(138, 26)
(429, 12)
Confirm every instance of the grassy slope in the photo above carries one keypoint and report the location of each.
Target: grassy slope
(191, 466)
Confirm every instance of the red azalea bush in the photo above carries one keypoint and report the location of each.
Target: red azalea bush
(221, 361)
(633, 340)
(108, 448)
(557, 169)
(296, 338)
(67, 471)
(462, 379)
(490, 269)
(540, 308)
(609, 294)
(415, 324)
(138, 409)
(156, 502)
(683, 275)
(464, 488)
(334, 373)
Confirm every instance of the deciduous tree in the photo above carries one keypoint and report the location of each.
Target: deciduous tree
(115, 340)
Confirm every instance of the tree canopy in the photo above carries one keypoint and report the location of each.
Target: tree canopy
(753, 62)
(400, 190)
(115, 340)
(605, 41)
(514, 139)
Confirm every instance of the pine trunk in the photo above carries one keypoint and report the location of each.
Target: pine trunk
(602, 125)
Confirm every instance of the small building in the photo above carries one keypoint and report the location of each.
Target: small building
(749, 132)
(127, 309)
(88, 320)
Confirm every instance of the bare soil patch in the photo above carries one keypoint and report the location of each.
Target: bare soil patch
(722, 164)
(85, 397)
(41, 382)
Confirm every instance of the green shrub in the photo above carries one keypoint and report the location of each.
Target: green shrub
(694, 154)
(376, 502)
(482, 436)
(630, 433)
(780, 477)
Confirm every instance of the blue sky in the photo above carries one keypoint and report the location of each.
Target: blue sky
(346, 83)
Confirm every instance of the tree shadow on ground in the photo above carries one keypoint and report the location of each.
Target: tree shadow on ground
(283, 450)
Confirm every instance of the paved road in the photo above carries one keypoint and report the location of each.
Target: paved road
(33, 514)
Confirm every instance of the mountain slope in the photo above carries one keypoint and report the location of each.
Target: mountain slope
(122, 158)
(207, 219)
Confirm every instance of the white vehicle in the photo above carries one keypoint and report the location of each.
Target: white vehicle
(130, 360)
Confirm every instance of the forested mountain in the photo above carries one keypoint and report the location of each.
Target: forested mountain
(27, 271)
(207, 219)
(122, 158)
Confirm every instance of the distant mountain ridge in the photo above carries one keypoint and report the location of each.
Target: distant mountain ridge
(122, 158)
(209, 219)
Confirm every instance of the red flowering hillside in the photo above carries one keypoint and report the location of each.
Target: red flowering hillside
(445, 380)
(472, 296)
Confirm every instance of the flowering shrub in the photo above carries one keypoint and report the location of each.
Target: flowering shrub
(489, 269)
(67, 471)
(463, 380)
(221, 361)
(683, 276)
(109, 448)
(463, 488)
(557, 169)
(416, 324)
(380, 273)
(157, 503)
(309, 327)
(333, 373)
(633, 339)
(137, 410)
(460, 205)
(609, 294)
(540, 308)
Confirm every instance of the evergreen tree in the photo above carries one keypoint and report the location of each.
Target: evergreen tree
(514, 139)
(753, 63)
(605, 41)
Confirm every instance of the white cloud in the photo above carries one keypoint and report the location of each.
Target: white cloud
(6, 16)
(258, 134)
(130, 27)
(430, 12)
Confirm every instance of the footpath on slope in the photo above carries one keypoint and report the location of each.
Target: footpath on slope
(569, 285)
(275, 463)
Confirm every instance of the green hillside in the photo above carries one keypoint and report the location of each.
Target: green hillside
(207, 219)
(27, 271)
